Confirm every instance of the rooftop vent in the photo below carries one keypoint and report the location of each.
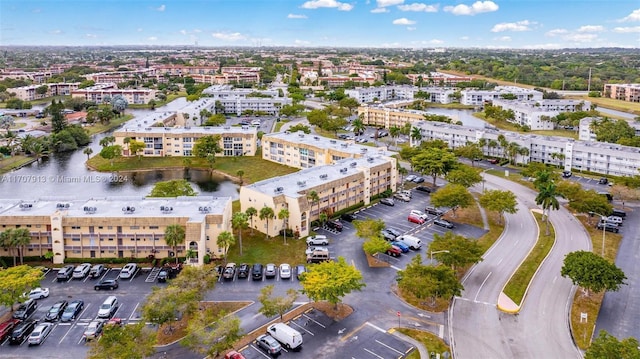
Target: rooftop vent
(302, 183)
(147, 128)
(62, 205)
(278, 190)
(166, 209)
(344, 144)
(324, 176)
(301, 135)
(90, 210)
(363, 150)
(204, 209)
(343, 170)
(26, 205)
(353, 164)
(332, 141)
(316, 138)
(128, 209)
(370, 159)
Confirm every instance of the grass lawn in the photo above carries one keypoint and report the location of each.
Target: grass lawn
(257, 249)
(631, 107)
(507, 126)
(430, 341)
(17, 125)
(10, 163)
(99, 128)
(279, 125)
(519, 282)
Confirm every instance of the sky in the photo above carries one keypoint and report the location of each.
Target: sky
(518, 24)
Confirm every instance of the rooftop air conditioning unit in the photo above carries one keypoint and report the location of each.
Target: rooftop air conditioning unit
(353, 164)
(128, 209)
(343, 170)
(332, 141)
(302, 183)
(278, 190)
(324, 176)
(370, 159)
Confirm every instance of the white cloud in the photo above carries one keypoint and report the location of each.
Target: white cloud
(436, 42)
(634, 16)
(591, 28)
(56, 32)
(544, 46)
(380, 10)
(226, 36)
(152, 38)
(513, 26)
(301, 42)
(383, 3)
(464, 38)
(315, 4)
(477, 7)
(503, 38)
(183, 32)
(419, 7)
(627, 30)
(92, 36)
(556, 32)
(581, 37)
(296, 16)
(161, 8)
(403, 21)
(197, 31)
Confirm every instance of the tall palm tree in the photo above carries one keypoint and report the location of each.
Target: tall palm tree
(482, 143)
(284, 216)
(225, 240)
(394, 132)
(492, 145)
(20, 238)
(547, 198)
(313, 197)
(239, 222)
(6, 242)
(266, 213)
(251, 212)
(403, 172)
(503, 144)
(416, 134)
(174, 236)
(88, 151)
(358, 126)
(39, 150)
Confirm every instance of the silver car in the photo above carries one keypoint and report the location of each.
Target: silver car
(40, 333)
(93, 330)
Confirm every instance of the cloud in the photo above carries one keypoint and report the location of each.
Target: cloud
(581, 37)
(197, 31)
(513, 26)
(634, 16)
(161, 8)
(544, 46)
(92, 36)
(315, 4)
(477, 7)
(411, 28)
(556, 32)
(301, 42)
(226, 36)
(591, 28)
(296, 16)
(384, 3)
(403, 21)
(152, 38)
(419, 7)
(380, 10)
(56, 32)
(626, 30)
(183, 32)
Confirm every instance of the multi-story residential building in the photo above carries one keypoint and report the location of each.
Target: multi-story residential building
(119, 227)
(474, 97)
(603, 158)
(121, 76)
(586, 134)
(239, 101)
(341, 185)
(387, 117)
(536, 114)
(300, 150)
(180, 140)
(624, 92)
(29, 93)
(438, 79)
(99, 92)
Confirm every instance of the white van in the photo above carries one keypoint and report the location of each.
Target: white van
(412, 241)
(287, 336)
(109, 307)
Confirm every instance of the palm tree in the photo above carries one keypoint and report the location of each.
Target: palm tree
(20, 238)
(394, 132)
(547, 198)
(313, 197)
(358, 126)
(492, 144)
(225, 240)
(88, 151)
(512, 151)
(524, 153)
(284, 216)
(6, 242)
(266, 213)
(174, 236)
(503, 144)
(240, 173)
(482, 143)
(403, 172)
(39, 150)
(251, 212)
(416, 134)
(239, 222)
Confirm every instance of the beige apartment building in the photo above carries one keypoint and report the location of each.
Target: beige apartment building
(29, 93)
(341, 185)
(381, 116)
(624, 92)
(119, 227)
(100, 92)
(300, 150)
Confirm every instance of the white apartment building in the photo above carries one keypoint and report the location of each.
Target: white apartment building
(532, 113)
(300, 150)
(389, 93)
(475, 97)
(585, 133)
(28, 93)
(99, 92)
(238, 101)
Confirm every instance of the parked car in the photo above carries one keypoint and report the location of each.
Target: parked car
(615, 219)
(128, 271)
(300, 270)
(566, 174)
(410, 178)
(81, 271)
(349, 217)
(418, 213)
(65, 273)
(21, 331)
(233, 355)
(394, 251)
(388, 201)
(402, 196)
(93, 330)
(412, 241)
(603, 180)
(388, 235)
(109, 284)
(415, 219)
(72, 310)
(256, 271)
(7, 327)
(403, 247)
(335, 224)
(619, 213)
(97, 271)
(418, 180)
(316, 240)
(609, 227)
(423, 189)
(270, 270)
(40, 333)
(311, 249)
(268, 344)
(229, 271)
(285, 271)
(108, 307)
(243, 270)
(163, 275)
(493, 161)
(443, 223)
(318, 256)
(25, 309)
(434, 211)
(56, 310)
(39, 293)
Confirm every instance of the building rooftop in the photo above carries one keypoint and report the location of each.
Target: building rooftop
(301, 138)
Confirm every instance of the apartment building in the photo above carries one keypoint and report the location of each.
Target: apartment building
(475, 97)
(121, 76)
(586, 134)
(29, 93)
(438, 79)
(118, 227)
(535, 113)
(343, 184)
(387, 117)
(240, 101)
(300, 150)
(391, 93)
(624, 92)
(99, 92)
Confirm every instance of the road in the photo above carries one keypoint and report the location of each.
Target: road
(480, 330)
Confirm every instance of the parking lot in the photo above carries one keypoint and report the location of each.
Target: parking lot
(65, 340)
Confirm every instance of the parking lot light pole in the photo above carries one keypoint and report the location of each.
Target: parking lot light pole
(436, 252)
(604, 227)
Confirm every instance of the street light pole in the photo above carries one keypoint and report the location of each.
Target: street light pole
(436, 252)
(604, 227)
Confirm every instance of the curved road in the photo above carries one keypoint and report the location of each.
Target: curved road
(541, 330)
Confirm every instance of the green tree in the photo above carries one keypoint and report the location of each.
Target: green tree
(394, 132)
(499, 201)
(165, 304)
(470, 151)
(174, 235)
(331, 281)
(111, 152)
(358, 126)
(88, 151)
(17, 280)
(300, 127)
(172, 188)
(20, 237)
(606, 346)
(452, 195)
(369, 228)
(275, 305)
(207, 145)
(239, 221)
(461, 250)
(7, 242)
(240, 174)
(429, 282)
(350, 103)
(251, 212)
(314, 198)
(224, 241)
(317, 117)
(416, 134)
(569, 190)
(134, 341)
(592, 272)
(464, 176)
(210, 334)
(216, 120)
(283, 215)
(375, 245)
(6, 121)
(547, 198)
(434, 162)
(136, 148)
(266, 214)
(590, 202)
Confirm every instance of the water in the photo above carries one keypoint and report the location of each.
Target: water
(464, 116)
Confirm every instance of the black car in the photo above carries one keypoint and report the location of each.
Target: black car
(65, 273)
(243, 270)
(335, 224)
(349, 217)
(423, 189)
(603, 180)
(21, 332)
(256, 271)
(26, 309)
(300, 270)
(163, 275)
(443, 223)
(566, 174)
(55, 311)
(434, 211)
(109, 284)
(72, 311)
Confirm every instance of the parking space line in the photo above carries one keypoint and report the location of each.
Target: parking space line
(389, 347)
(299, 326)
(375, 327)
(372, 353)
(134, 311)
(313, 320)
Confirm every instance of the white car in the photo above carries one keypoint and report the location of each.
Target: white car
(311, 249)
(318, 240)
(81, 271)
(39, 293)
(285, 271)
(255, 123)
(417, 213)
(410, 178)
(128, 271)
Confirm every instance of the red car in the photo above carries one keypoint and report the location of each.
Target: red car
(7, 327)
(415, 219)
(234, 355)
(394, 251)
